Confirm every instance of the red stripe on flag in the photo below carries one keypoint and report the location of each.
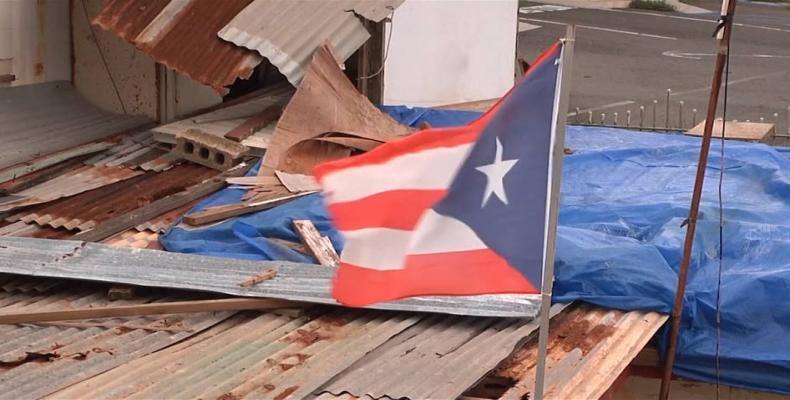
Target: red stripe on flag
(459, 273)
(376, 211)
(423, 140)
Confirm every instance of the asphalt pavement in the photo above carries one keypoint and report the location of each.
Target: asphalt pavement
(625, 59)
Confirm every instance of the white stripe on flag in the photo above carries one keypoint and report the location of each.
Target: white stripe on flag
(376, 248)
(386, 249)
(436, 233)
(428, 169)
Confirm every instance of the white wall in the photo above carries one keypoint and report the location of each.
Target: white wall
(34, 40)
(450, 51)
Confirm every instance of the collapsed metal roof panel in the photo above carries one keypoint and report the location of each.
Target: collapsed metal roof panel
(260, 356)
(85, 210)
(294, 281)
(182, 35)
(39, 359)
(440, 357)
(45, 118)
(288, 32)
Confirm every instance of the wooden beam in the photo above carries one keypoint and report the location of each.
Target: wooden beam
(251, 125)
(319, 246)
(136, 217)
(219, 213)
(178, 307)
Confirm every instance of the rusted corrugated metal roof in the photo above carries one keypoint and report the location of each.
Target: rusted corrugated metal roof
(83, 179)
(288, 32)
(85, 210)
(438, 358)
(588, 349)
(261, 356)
(41, 119)
(39, 359)
(182, 34)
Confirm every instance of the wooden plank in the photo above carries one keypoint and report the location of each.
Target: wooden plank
(319, 246)
(250, 126)
(219, 213)
(749, 131)
(136, 217)
(177, 307)
(256, 279)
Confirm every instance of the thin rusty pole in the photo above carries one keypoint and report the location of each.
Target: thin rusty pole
(721, 58)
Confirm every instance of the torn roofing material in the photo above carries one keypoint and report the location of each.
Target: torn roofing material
(294, 281)
(48, 117)
(182, 34)
(287, 32)
(326, 101)
(440, 357)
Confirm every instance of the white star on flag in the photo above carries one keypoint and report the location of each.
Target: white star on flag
(495, 172)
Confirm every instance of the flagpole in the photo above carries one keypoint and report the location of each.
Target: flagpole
(558, 151)
(724, 31)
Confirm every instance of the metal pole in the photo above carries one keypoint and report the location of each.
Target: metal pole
(603, 118)
(615, 118)
(693, 117)
(728, 10)
(680, 116)
(666, 122)
(628, 119)
(641, 117)
(589, 117)
(554, 205)
(788, 120)
(655, 109)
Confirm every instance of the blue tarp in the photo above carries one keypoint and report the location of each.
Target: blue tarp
(624, 197)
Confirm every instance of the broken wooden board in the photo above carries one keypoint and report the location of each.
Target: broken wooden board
(219, 213)
(153, 268)
(326, 101)
(258, 278)
(749, 131)
(319, 246)
(175, 307)
(250, 126)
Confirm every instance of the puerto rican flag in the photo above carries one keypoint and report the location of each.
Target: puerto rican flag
(451, 211)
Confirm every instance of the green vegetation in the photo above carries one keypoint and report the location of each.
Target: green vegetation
(654, 5)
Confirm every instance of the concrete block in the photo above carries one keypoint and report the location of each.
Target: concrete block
(209, 150)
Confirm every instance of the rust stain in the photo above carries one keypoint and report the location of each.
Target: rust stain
(189, 43)
(296, 360)
(269, 387)
(228, 396)
(285, 393)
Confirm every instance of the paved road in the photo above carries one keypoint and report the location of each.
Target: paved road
(628, 58)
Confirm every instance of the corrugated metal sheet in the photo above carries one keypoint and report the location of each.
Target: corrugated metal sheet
(220, 121)
(438, 358)
(86, 178)
(87, 209)
(288, 32)
(588, 349)
(260, 356)
(41, 119)
(163, 222)
(182, 34)
(301, 282)
(39, 359)
(136, 151)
